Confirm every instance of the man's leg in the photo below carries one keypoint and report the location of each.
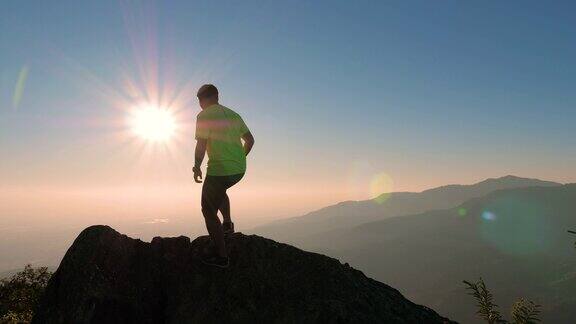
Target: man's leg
(225, 205)
(212, 195)
(225, 209)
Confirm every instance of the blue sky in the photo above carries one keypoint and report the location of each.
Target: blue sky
(429, 92)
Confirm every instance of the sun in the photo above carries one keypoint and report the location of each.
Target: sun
(152, 123)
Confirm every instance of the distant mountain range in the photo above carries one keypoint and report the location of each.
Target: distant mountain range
(510, 231)
(350, 213)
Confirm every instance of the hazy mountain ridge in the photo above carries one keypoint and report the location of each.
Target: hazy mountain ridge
(514, 238)
(352, 213)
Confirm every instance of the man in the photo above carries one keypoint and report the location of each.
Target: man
(219, 131)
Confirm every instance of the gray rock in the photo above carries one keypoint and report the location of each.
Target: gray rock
(107, 277)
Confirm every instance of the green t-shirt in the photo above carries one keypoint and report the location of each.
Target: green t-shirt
(223, 128)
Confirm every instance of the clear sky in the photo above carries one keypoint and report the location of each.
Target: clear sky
(335, 92)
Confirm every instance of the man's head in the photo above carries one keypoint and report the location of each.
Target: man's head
(207, 95)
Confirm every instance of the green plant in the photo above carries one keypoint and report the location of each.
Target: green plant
(487, 309)
(523, 311)
(20, 293)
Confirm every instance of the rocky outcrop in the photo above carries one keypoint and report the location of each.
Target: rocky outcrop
(107, 277)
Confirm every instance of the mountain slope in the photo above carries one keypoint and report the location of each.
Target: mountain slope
(107, 277)
(515, 239)
(352, 213)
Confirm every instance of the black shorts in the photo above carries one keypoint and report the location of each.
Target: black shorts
(214, 191)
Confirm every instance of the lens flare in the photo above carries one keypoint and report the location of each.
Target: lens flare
(462, 211)
(488, 215)
(19, 89)
(381, 187)
(153, 123)
(516, 225)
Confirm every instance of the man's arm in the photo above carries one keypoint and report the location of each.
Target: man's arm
(199, 153)
(248, 142)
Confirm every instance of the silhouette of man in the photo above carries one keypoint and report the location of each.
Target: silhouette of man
(219, 131)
